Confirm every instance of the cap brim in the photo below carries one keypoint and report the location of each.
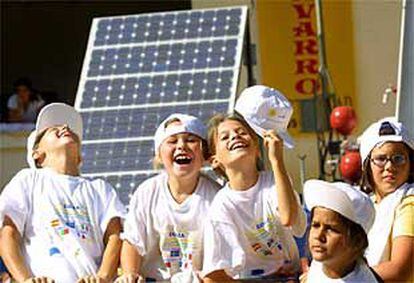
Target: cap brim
(318, 193)
(59, 114)
(287, 139)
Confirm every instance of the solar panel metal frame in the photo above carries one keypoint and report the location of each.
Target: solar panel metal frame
(88, 58)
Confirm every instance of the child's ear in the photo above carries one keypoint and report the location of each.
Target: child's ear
(214, 162)
(157, 162)
(38, 156)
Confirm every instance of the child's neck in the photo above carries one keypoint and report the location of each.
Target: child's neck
(65, 166)
(340, 270)
(241, 180)
(181, 188)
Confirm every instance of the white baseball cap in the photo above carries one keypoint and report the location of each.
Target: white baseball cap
(189, 124)
(265, 108)
(385, 130)
(54, 114)
(341, 198)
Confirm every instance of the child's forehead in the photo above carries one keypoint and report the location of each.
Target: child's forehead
(183, 134)
(390, 147)
(326, 214)
(230, 124)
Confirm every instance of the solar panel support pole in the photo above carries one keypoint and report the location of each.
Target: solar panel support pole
(405, 91)
(249, 56)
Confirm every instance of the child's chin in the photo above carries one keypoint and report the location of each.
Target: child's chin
(184, 169)
(319, 257)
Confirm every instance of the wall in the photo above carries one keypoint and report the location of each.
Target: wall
(12, 154)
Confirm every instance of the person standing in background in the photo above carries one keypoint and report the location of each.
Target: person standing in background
(24, 105)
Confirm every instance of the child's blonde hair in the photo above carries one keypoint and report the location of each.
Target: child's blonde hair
(157, 163)
(212, 135)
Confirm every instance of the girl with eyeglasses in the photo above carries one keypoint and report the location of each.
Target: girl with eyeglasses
(387, 151)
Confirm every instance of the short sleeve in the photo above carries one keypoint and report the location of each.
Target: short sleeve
(111, 206)
(135, 225)
(38, 104)
(221, 249)
(299, 226)
(14, 200)
(404, 218)
(12, 102)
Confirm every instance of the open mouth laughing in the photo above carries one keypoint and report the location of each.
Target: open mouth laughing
(237, 145)
(183, 159)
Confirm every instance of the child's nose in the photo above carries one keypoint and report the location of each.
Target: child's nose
(319, 234)
(233, 135)
(181, 143)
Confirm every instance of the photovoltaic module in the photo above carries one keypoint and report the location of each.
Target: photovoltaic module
(138, 69)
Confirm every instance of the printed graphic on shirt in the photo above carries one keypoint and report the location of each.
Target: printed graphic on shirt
(263, 237)
(177, 249)
(72, 219)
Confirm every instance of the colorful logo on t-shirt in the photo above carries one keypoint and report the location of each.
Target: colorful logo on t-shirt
(177, 250)
(72, 220)
(264, 237)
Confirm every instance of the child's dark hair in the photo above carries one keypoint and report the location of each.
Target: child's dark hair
(367, 183)
(212, 134)
(355, 234)
(26, 82)
(23, 82)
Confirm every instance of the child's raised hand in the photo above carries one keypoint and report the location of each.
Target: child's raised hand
(274, 146)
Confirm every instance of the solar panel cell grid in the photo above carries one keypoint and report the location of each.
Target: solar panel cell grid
(168, 26)
(139, 69)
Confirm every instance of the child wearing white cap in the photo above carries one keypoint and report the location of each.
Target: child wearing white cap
(163, 236)
(58, 226)
(253, 218)
(341, 217)
(387, 152)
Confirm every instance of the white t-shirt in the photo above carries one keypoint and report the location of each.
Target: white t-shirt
(62, 220)
(360, 274)
(168, 235)
(244, 236)
(29, 116)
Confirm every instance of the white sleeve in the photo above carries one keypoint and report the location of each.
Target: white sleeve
(222, 250)
(135, 225)
(39, 104)
(12, 102)
(14, 200)
(111, 205)
(299, 226)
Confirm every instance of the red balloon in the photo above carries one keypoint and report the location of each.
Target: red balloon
(343, 119)
(350, 166)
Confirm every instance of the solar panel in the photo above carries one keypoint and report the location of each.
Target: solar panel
(138, 69)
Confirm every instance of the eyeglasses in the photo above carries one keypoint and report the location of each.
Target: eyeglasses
(396, 159)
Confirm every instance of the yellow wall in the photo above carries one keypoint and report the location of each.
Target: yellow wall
(289, 49)
(12, 155)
